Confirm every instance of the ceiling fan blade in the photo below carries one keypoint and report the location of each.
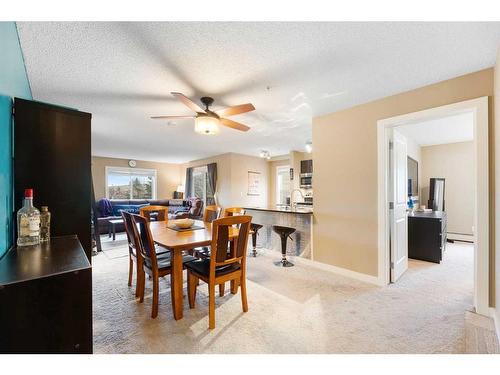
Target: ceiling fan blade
(188, 102)
(236, 109)
(234, 125)
(171, 117)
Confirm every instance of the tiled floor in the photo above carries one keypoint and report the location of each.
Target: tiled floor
(294, 310)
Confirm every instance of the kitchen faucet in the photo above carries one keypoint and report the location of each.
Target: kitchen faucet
(293, 202)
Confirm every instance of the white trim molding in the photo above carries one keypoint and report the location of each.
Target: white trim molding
(496, 321)
(479, 107)
(338, 270)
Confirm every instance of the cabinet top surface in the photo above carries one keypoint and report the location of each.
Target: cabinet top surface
(427, 215)
(59, 255)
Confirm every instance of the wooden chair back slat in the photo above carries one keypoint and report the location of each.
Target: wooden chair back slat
(220, 240)
(234, 211)
(212, 213)
(144, 239)
(127, 222)
(161, 210)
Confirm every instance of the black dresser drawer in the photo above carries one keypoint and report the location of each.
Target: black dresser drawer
(427, 236)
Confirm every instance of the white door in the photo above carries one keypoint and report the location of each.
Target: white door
(398, 196)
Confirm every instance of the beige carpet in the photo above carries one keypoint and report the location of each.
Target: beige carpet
(294, 310)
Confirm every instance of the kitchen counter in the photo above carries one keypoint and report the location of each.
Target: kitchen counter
(300, 218)
(298, 210)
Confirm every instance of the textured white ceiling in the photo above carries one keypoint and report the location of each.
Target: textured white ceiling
(449, 129)
(123, 72)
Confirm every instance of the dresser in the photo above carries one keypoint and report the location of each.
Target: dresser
(427, 235)
(46, 298)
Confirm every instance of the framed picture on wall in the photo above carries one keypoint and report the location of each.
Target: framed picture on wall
(253, 183)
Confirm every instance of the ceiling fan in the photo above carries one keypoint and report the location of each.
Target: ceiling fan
(207, 121)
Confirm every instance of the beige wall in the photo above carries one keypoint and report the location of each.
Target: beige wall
(240, 166)
(496, 257)
(223, 161)
(455, 163)
(345, 168)
(294, 159)
(232, 178)
(168, 175)
(273, 164)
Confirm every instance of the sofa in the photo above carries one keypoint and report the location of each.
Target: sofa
(109, 209)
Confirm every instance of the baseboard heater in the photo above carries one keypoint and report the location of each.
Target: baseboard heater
(460, 237)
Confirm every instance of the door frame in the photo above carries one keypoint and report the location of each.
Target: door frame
(479, 107)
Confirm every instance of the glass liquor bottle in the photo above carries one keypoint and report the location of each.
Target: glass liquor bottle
(28, 222)
(44, 224)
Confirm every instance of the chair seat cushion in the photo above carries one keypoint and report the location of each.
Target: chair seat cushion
(202, 267)
(165, 261)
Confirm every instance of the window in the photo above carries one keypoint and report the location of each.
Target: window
(282, 184)
(201, 187)
(130, 183)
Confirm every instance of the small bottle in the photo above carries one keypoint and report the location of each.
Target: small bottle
(410, 203)
(44, 224)
(28, 222)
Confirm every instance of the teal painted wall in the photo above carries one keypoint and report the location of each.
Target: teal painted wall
(13, 83)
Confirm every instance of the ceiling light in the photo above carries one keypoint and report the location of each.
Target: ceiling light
(207, 125)
(265, 154)
(309, 147)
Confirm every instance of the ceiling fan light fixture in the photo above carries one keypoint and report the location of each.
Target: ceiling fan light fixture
(265, 154)
(207, 125)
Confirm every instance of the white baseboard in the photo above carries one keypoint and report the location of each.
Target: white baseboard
(460, 237)
(339, 271)
(496, 320)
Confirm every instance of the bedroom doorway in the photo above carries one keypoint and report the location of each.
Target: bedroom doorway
(393, 188)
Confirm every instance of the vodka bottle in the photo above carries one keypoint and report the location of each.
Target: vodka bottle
(28, 222)
(45, 224)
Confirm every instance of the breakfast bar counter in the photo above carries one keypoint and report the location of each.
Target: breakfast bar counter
(300, 218)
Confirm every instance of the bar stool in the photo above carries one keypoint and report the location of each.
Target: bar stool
(284, 233)
(255, 229)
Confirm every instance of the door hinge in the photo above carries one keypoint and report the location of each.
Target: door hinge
(391, 145)
(392, 265)
(391, 205)
(13, 110)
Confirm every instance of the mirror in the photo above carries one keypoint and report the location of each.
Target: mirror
(412, 177)
(436, 194)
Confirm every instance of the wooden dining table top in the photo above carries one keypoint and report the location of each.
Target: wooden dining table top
(184, 240)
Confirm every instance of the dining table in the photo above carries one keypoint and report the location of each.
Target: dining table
(178, 242)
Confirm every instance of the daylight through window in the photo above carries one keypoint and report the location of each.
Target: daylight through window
(130, 183)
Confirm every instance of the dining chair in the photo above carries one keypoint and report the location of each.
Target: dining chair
(234, 211)
(152, 265)
(211, 213)
(161, 211)
(132, 255)
(223, 265)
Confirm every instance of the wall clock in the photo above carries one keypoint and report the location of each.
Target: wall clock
(132, 163)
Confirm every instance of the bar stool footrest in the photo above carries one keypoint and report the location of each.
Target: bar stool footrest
(283, 263)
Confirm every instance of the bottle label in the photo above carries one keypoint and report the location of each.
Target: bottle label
(24, 227)
(34, 226)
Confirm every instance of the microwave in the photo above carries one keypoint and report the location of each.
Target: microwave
(306, 180)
